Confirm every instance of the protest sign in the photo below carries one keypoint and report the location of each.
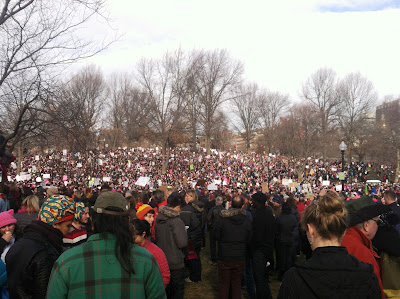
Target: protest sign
(212, 187)
(142, 181)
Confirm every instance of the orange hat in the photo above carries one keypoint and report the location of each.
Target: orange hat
(142, 211)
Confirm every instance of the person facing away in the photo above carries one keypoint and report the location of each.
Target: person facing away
(172, 238)
(108, 264)
(331, 272)
(262, 243)
(233, 233)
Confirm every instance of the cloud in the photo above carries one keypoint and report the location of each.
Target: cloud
(357, 5)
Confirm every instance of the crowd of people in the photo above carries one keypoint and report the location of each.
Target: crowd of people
(226, 170)
(88, 228)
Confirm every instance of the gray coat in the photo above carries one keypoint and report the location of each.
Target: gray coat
(171, 236)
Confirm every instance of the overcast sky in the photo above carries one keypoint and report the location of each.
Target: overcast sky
(280, 42)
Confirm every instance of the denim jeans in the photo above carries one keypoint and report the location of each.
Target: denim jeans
(248, 279)
(286, 252)
(261, 275)
(213, 248)
(176, 287)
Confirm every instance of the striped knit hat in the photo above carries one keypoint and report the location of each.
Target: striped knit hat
(79, 210)
(56, 209)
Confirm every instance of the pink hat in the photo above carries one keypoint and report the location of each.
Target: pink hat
(7, 218)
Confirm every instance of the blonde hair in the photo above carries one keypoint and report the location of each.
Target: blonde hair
(328, 215)
(193, 194)
(31, 202)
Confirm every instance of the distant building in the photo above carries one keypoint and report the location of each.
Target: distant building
(388, 114)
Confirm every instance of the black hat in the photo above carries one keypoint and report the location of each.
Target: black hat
(363, 209)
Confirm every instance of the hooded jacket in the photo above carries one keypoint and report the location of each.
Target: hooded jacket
(30, 260)
(194, 231)
(330, 273)
(233, 233)
(171, 236)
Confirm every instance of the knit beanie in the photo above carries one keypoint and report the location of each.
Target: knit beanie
(7, 218)
(56, 209)
(142, 211)
(79, 210)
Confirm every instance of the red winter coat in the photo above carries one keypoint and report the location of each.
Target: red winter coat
(360, 246)
(161, 259)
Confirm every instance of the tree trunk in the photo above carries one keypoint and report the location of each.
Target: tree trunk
(19, 158)
(165, 155)
(396, 179)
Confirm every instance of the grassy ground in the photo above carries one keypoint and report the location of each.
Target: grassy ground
(208, 288)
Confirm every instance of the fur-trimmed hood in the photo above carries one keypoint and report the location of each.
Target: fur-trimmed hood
(197, 207)
(168, 211)
(232, 212)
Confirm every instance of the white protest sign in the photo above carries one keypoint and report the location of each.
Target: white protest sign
(106, 179)
(37, 157)
(142, 181)
(325, 183)
(212, 187)
(64, 152)
(46, 176)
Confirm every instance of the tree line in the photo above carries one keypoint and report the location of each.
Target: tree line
(177, 99)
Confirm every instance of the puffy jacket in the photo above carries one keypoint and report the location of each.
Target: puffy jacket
(171, 236)
(233, 234)
(30, 260)
(330, 273)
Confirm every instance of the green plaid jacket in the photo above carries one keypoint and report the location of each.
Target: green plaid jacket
(91, 270)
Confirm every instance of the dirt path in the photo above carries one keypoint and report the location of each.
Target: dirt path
(208, 288)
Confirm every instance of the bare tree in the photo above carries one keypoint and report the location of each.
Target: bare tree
(80, 107)
(218, 75)
(358, 97)
(165, 82)
(321, 90)
(129, 108)
(296, 133)
(37, 38)
(271, 106)
(245, 107)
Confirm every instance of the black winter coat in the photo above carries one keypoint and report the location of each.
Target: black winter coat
(233, 233)
(263, 231)
(286, 225)
(194, 230)
(30, 260)
(330, 273)
(213, 216)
